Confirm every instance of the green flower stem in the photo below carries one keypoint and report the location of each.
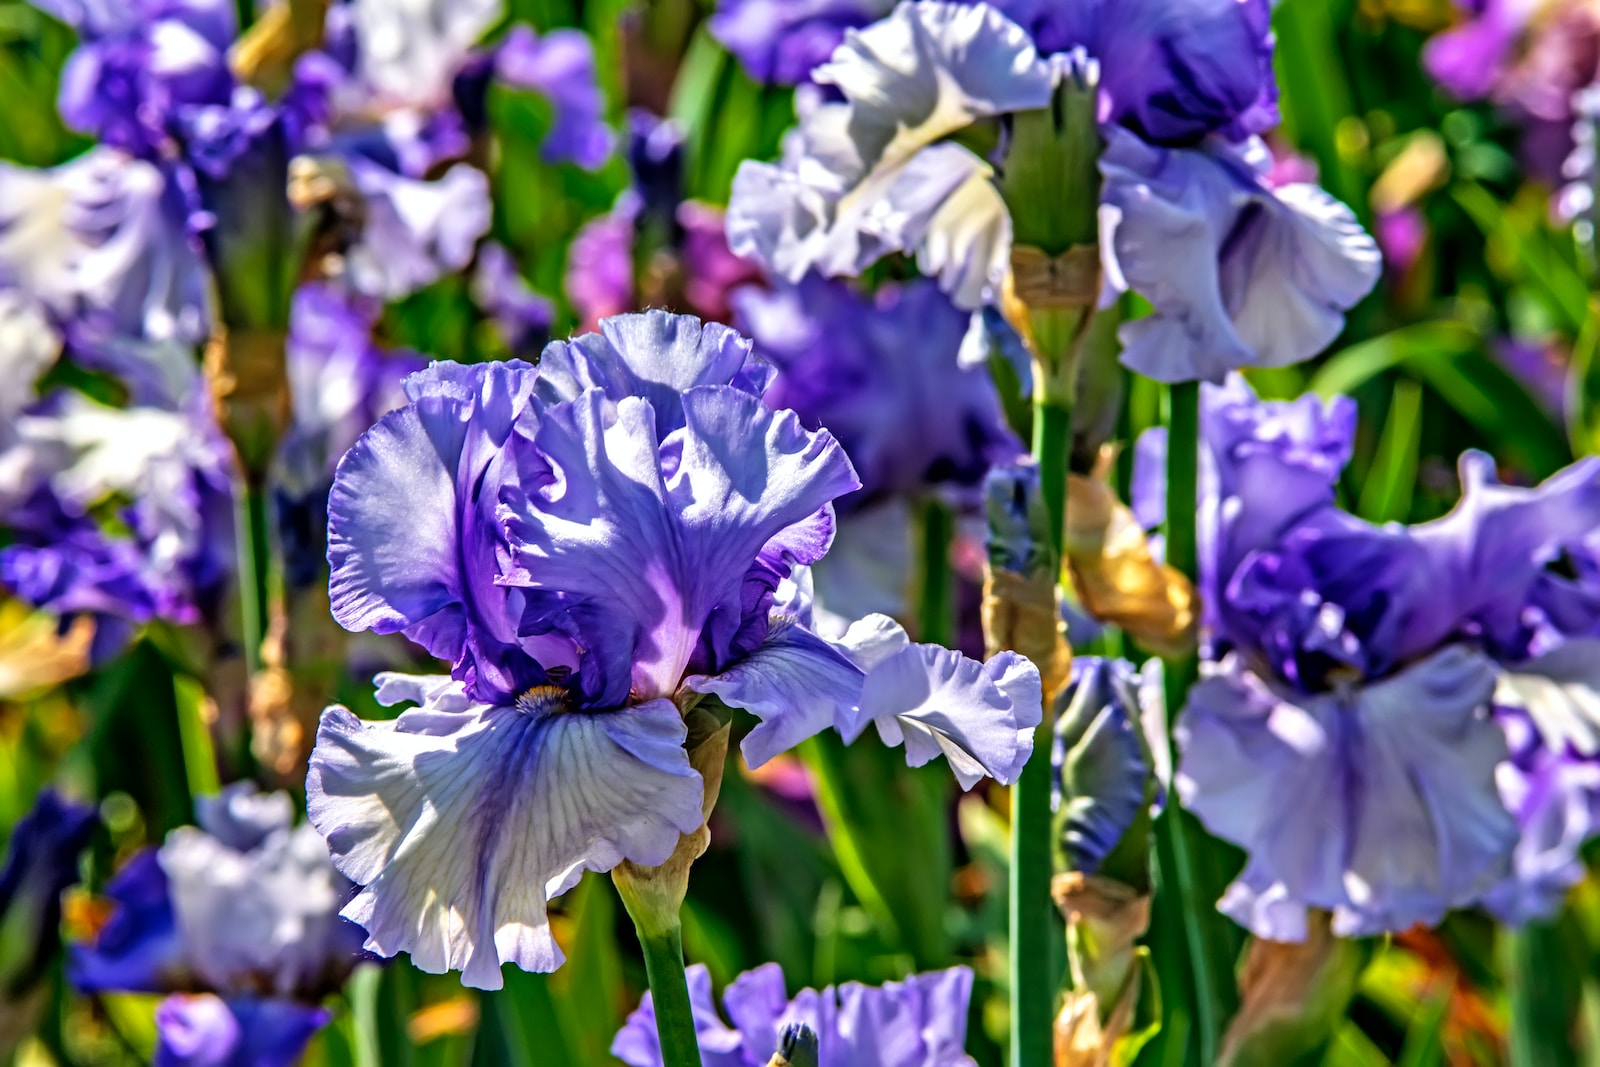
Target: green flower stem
(936, 603)
(1033, 916)
(1033, 987)
(255, 570)
(1542, 991)
(1210, 984)
(669, 988)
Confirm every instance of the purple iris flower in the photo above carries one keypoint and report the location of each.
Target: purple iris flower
(166, 475)
(238, 919)
(41, 862)
(883, 374)
(920, 1022)
(1239, 272)
(103, 243)
(780, 42)
(408, 83)
(1171, 71)
(1361, 667)
(602, 539)
(143, 67)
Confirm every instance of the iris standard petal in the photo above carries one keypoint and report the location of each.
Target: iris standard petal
(461, 824)
(653, 355)
(1173, 71)
(1398, 818)
(651, 568)
(865, 178)
(929, 69)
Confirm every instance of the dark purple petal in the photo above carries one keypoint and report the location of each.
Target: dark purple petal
(780, 42)
(203, 1030)
(1172, 71)
(138, 949)
(41, 862)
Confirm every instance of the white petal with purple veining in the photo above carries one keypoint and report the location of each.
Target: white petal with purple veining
(461, 824)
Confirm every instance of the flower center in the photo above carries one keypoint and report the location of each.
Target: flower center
(542, 700)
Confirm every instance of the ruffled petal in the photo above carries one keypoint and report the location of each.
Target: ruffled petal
(653, 355)
(796, 683)
(412, 533)
(920, 1022)
(461, 824)
(649, 568)
(930, 69)
(1398, 819)
(1488, 555)
(1239, 274)
(979, 716)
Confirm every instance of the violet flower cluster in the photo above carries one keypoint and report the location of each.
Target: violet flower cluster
(116, 260)
(1239, 272)
(237, 920)
(1426, 692)
(596, 545)
(920, 1022)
